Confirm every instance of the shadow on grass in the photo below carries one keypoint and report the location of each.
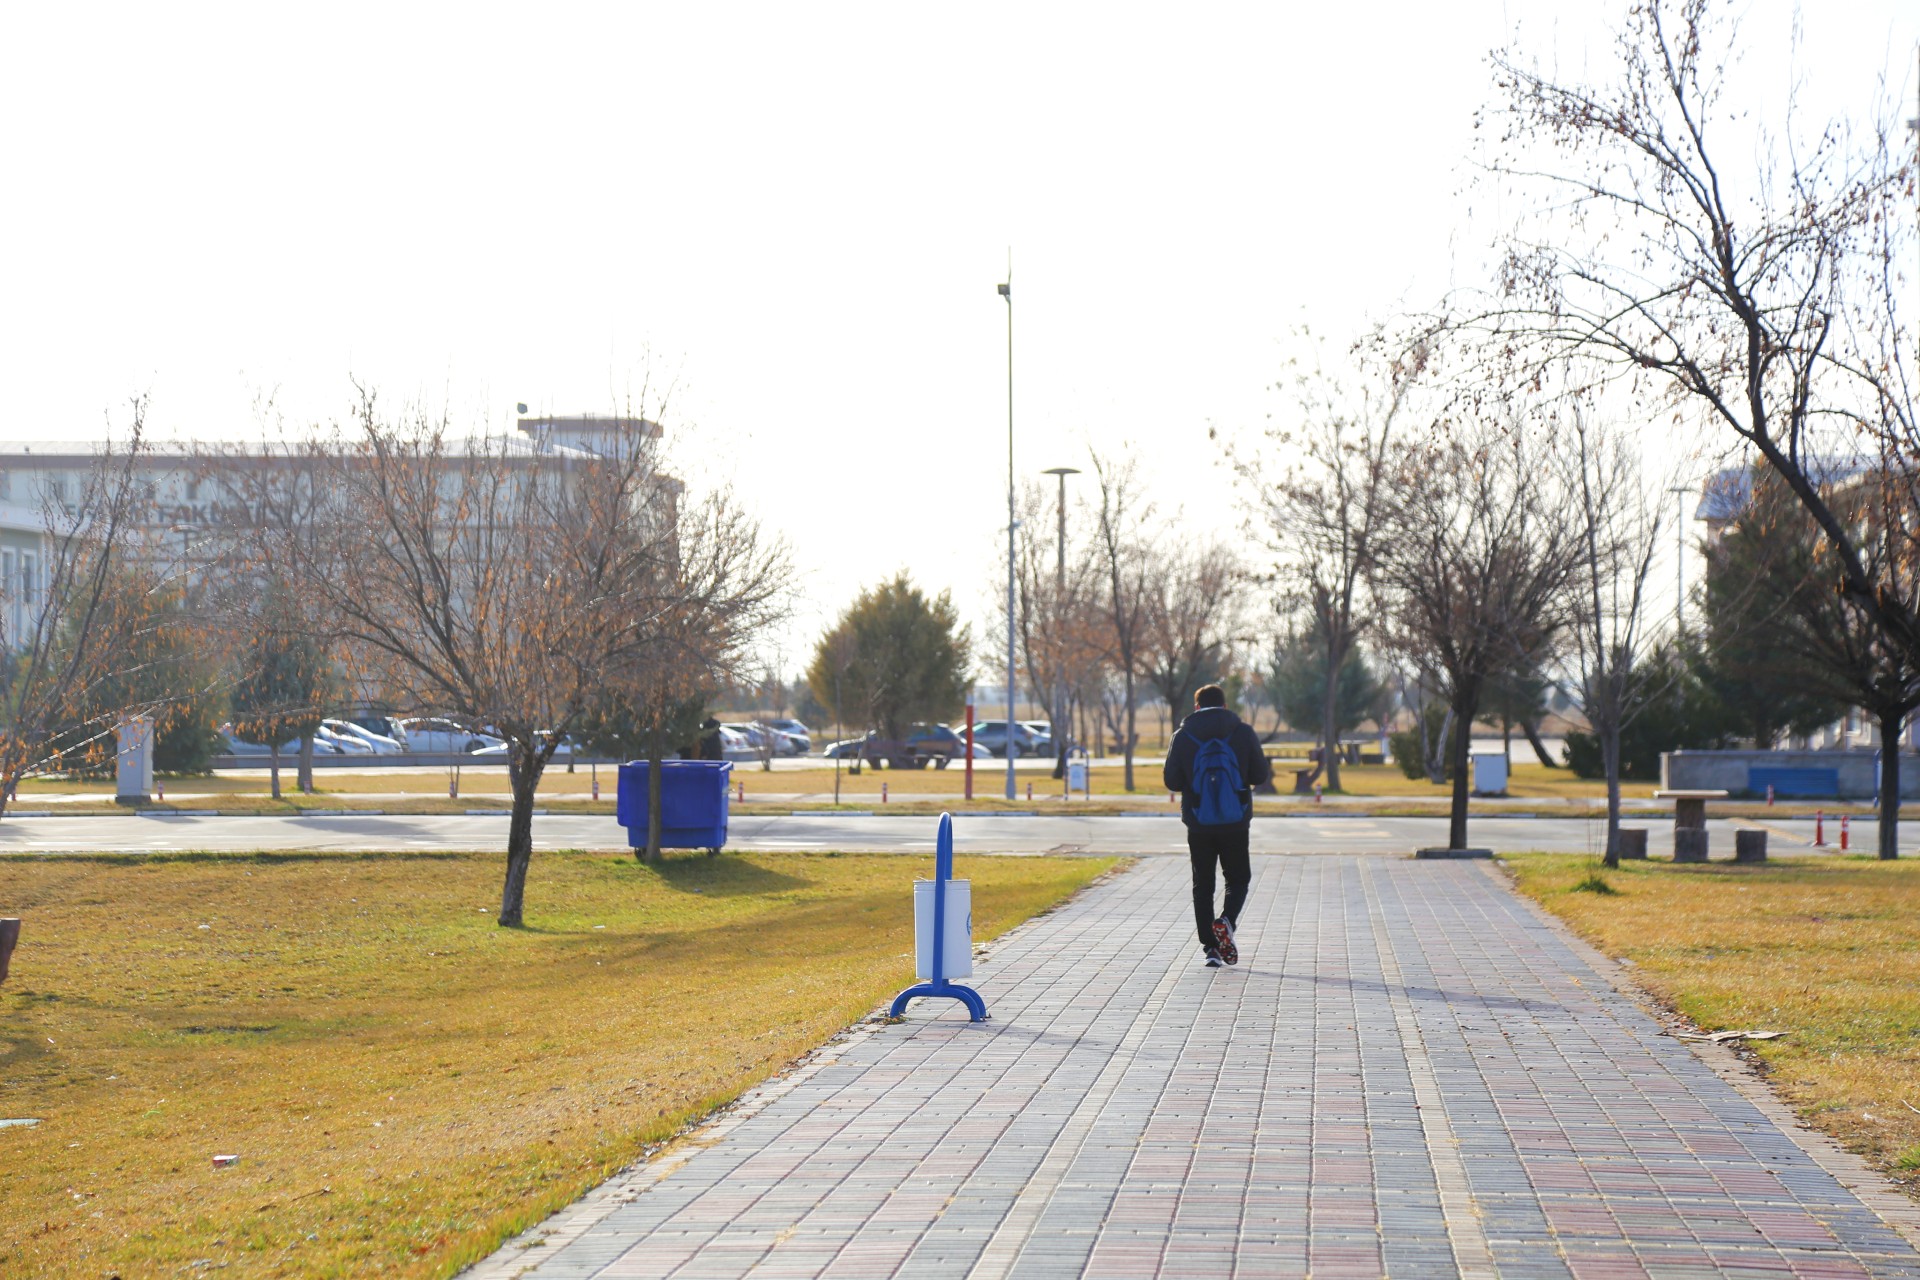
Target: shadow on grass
(721, 876)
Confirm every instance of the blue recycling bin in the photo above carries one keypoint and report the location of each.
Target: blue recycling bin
(693, 803)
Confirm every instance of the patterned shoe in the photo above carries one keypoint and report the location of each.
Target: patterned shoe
(1213, 959)
(1223, 939)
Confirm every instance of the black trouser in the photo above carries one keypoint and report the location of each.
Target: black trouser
(1228, 847)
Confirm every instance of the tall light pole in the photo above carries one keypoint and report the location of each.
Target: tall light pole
(1059, 712)
(1680, 558)
(1006, 291)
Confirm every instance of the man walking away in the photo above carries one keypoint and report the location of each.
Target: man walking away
(1214, 762)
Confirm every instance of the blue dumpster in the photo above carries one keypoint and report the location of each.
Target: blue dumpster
(693, 803)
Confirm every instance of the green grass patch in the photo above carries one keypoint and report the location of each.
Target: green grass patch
(406, 1083)
(1826, 949)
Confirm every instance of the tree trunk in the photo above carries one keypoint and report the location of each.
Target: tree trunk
(304, 775)
(273, 765)
(1465, 703)
(1540, 751)
(523, 775)
(1329, 721)
(1436, 760)
(1890, 784)
(1127, 746)
(1610, 761)
(654, 789)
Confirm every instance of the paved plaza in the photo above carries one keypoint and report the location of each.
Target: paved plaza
(1410, 1073)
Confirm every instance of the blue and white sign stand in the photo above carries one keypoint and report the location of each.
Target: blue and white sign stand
(936, 969)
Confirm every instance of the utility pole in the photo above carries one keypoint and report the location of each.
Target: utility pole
(1060, 742)
(1006, 291)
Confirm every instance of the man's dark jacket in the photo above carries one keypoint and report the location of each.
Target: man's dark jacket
(1202, 726)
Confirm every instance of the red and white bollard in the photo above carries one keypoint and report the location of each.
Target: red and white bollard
(1843, 833)
(883, 793)
(596, 786)
(160, 791)
(1172, 796)
(1316, 793)
(453, 786)
(1819, 828)
(740, 790)
(1769, 795)
(1029, 793)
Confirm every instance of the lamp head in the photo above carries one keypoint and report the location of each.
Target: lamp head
(1061, 471)
(1006, 291)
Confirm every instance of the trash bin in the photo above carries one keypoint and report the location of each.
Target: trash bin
(1489, 773)
(693, 803)
(1077, 776)
(957, 940)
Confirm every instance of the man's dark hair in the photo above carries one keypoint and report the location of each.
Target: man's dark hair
(1210, 695)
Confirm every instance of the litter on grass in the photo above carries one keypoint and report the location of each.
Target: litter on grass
(1724, 1037)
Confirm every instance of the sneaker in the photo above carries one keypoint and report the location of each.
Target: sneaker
(1213, 959)
(1223, 938)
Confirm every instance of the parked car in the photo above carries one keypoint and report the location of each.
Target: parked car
(784, 743)
(378, 743)
(935, 742)
(1042, 730)
(562, 751)
(345, 743)
(795, 730)
(384, 725)
(845, 749)
(429, 733)
(992, 734)
(234, 745)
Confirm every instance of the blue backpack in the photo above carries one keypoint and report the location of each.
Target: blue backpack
(1217, 786)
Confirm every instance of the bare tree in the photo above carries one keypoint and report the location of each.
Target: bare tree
(1472, 564)
(1772, 315)
(72, 620)
(1123, 553)
(1321, 510)
(1619, 529)
(493, 580)
(1192, 606)
(714, 585)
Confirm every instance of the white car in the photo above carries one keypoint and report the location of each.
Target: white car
(235, 745)
(344, 743)
(378, 743)
(429, 733)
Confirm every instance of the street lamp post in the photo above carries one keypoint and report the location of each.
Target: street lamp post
(1060, 742)
(1006, 291)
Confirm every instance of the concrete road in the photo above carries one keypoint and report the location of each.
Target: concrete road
(1159, 834)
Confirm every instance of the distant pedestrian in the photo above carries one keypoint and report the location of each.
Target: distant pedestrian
(1215, 762)
(711, 748)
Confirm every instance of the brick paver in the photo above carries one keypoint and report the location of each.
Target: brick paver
(1408, 1074)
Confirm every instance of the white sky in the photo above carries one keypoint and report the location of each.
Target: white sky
(796, 215)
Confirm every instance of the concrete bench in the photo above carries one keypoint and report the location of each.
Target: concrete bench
(1689, 822)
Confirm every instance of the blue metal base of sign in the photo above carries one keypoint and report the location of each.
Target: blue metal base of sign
(952, 990)
(942, 872)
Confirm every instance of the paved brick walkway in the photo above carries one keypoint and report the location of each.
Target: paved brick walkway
(1409, 1074)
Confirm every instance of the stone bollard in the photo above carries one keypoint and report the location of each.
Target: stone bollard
(1690, 844)
(1633, 843)
(1749, 846)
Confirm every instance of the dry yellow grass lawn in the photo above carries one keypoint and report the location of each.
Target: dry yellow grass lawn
(1826, 949)
(404, 1082)
(1527, 779)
